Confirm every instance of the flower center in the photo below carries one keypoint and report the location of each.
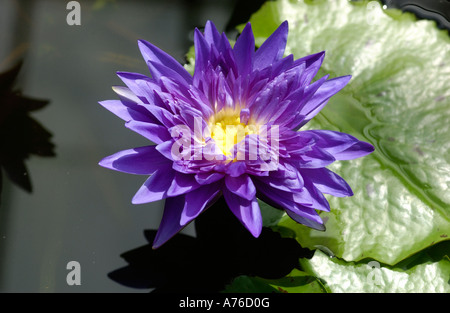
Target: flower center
(229, 127)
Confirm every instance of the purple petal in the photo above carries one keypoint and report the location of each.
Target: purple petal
(140, 161)
(159, 70)
(126, 95)
(129, 107)
(236, 169)
(153, 132)
(208, 177)
(332, 141)
(308, 213)
(313, 63)
(310, 196)
(313, 158)
(341, 145)
(170, 222)
(155, 187)
(247, 211)
(139, 85)
(124, 111)
(357, 150)
(286, 183)
(151, 53)
(286, 170)
(277, 198)
(321, 97)
(273, 100)
(328, 182)
(165, 148)
(181, 184)
(212, 35)
(162, 115)
(200, 101)
(244, 50)
(202, 53)
(198, 200)
(285, 64)
(302, 100)
(272, 49)
(221, 43)
(284, 200)
(242, 186)
(307, 221)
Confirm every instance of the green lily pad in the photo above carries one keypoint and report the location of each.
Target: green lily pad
(371, 276)
(296, 282)
(426, 272)
(398, 100)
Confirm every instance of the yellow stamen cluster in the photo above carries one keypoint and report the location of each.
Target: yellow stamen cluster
(227, 130)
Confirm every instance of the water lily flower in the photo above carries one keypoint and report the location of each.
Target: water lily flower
(232, 129)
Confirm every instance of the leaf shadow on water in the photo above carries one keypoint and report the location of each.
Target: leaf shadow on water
(20, 135)
(222, 250)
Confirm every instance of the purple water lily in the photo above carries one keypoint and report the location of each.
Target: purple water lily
(232, 130)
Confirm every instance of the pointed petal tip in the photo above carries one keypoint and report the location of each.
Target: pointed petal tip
(126, 75)
(101, 163)
(256, 232)
(317, 55)
(321, 227)
(157, 244)
(370, 148)
(284, 26)
(197, 32)
(342, 81)
(348, 77)
(141, 42)
(136, 201)
(317, 226)
(248, 28)
(105, 162)
(146, 44)
(115, 88)
(211, 24)
(321, 56)
(316, 223)
(184, 220)
(358, 150)
(138, 198)
(366, 148)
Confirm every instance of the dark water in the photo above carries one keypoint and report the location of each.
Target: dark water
(437, 10)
